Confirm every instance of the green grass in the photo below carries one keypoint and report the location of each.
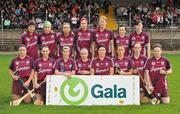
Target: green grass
(172, 108)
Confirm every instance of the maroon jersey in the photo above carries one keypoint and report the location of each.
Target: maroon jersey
(104, 38)
(44, 68)
(65, 41)
(154, 66)
(141, 38)
(31, 44)
(124, 64)
(22, 67)
(84, 40)
(62, 66)
(50, 41)
(81, 65)
(139, 63)
(123, 41)
(102, 67)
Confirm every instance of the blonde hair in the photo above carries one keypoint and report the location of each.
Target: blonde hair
(103, 17)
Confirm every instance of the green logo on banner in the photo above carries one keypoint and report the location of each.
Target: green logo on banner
(74, 91)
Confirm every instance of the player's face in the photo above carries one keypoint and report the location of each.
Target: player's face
(84, 24)
(102, 23)
(157, 52)
(139, 27)
(84, 54)
(122, 30)
(31, 28)
(137, 48)
(66, 53)
(22, 51)
(120, 50)
(47, 29)
(45, 51)
(66, 29)
(102, 51)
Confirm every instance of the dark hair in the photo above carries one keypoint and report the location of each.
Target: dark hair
(122, 45)
(31, 22)
(102, 45)
(138, 22)
(157, 45)
(122, 26)
(44, 46)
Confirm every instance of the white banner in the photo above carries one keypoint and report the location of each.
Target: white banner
(93, 90)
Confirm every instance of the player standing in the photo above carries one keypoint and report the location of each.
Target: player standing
(104, 37)
(84, 38)
(66, 38)
(140, 37)
(48, 38)
(122, 39)
(30, 39)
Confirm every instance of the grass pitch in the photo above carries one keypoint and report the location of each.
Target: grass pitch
(172, 108)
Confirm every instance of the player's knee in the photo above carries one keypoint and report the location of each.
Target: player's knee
(39, 102)
(28, 100)
(165, 100)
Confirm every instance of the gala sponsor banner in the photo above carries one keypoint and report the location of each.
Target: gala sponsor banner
(93, 90)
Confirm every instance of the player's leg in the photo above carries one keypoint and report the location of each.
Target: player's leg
(165, 96)
(39, 100)
(28, 99)
(165, 100)
(40, 93)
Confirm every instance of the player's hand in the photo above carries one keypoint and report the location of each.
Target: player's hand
(150, 87)
(135, 71)
(15, 77)
(37, 85)
(68, 75)
(84, 72)
(162, 71)
(121, 72)
(26, 84)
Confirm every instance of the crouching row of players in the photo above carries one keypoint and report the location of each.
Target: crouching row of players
(153, 71)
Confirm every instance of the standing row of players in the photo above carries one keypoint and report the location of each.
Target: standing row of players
(152, 70)
(83, 38)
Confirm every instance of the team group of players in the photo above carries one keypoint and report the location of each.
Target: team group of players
(86, 52)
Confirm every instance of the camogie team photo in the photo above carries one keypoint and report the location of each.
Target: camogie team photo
(89, 56)
(85, 52)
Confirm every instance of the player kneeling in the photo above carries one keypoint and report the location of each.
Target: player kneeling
(83, 64)
(65, 65)
(21, 70)
(43, 67)
(157, 69)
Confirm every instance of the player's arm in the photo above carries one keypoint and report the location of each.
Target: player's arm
(36, 79)
(93, 47)
(111, 71)
(92, 71)
(67, 74)
(13, 75)
(166, 72)
(148, 80)
(84, 72)
(148, 50)
(112, 48)
(31, 76)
